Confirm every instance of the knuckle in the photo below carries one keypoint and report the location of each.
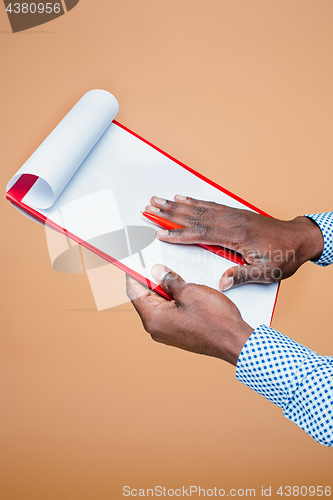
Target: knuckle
(201, 230)
(253, 256)
(193, 221)
(177, 233)
(172, 207)
(199, 211)
(242, 276)
(182, 233)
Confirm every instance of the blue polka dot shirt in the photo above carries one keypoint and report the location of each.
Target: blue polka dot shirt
(289, 374)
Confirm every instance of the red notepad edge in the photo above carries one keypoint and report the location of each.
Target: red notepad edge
(17, 192)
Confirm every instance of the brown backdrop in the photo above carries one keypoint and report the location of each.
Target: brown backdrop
(239, 90)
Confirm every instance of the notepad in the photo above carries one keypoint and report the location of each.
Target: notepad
(92, 177)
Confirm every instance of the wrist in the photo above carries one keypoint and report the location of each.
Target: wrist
(311, 241)
(239, 335)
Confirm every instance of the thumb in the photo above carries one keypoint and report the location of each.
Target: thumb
(169, 281)
(240, 275)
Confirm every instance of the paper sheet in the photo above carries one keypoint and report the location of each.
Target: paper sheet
(107, 193)
(61, 154)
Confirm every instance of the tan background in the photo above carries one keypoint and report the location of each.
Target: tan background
(240, 90)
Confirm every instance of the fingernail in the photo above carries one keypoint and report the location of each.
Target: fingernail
(159, 201)
(227, 283)
(158, 272)
(162, 233)
(180, 197)
(152, 209)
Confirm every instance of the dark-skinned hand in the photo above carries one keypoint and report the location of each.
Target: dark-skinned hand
(197, 319)
(273, 249)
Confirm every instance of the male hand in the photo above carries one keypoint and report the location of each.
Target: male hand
(273, 249)
(198, 319)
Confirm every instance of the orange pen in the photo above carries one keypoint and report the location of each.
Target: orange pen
(221, 251)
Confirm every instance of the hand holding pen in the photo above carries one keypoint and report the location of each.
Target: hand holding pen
(222, 252)
(272, 249)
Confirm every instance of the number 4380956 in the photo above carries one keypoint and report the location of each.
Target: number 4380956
(304, 491)
(34, 8)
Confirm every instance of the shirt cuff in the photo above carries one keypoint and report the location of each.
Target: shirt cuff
(325, 222)
(274, 365)
(293, 377)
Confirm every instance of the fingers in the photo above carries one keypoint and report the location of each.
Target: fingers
(182, 208)
(181, 202)
(169, 281)
(164, 207)
(186, 200)
(202, 221)
(255, 273)
(174, 216)
(153, 309)
(141, 297)
(135, 289)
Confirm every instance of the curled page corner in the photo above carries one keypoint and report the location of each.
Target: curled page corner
(62, 152)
